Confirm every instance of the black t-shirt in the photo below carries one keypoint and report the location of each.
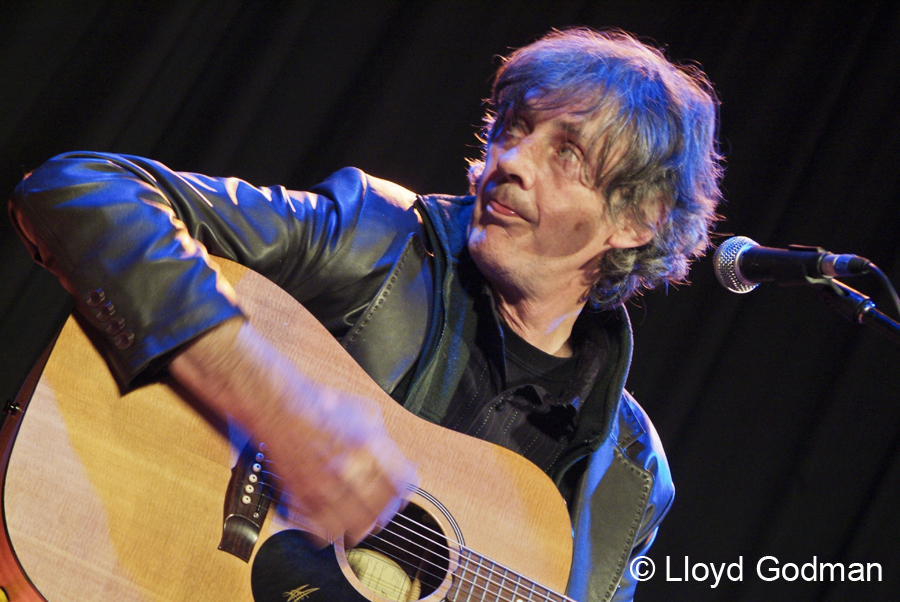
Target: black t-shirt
(514, 394)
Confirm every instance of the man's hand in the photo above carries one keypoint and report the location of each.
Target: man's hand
(341, 470)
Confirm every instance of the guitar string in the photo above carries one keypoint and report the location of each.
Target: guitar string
(280, 495)
(487, 576)
(491, 571)
(464, 568)
(421, 526)
(437, 576)
(441, 535)
(283, 494)
(460, 574)
(414, 556)
(474, 586)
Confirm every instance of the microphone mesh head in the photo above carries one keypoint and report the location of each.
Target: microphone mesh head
(725, 262)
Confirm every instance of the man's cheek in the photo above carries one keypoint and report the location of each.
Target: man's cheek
(568, 241)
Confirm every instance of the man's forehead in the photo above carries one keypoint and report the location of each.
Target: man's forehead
(587, 126)
(576, 123)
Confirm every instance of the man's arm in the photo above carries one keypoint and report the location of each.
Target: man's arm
(125, 231)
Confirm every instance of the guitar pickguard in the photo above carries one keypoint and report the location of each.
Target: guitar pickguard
(287, 562)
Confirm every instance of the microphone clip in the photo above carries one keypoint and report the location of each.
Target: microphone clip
(857, 307)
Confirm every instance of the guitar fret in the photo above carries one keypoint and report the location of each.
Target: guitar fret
(516, 590)
(550, 596)
(546, 595)
(474, 580)
(460, 576)
(494, 583)
(487, 580)
(502, 585)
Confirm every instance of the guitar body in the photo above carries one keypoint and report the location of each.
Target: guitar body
(112, 495)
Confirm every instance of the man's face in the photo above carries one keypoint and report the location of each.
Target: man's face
(539, 221)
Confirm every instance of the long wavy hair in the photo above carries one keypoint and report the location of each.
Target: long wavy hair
(660, 123)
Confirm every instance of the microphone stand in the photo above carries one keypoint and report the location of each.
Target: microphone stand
(856, 307)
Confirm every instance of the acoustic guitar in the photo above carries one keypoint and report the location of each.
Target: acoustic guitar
(138, 495)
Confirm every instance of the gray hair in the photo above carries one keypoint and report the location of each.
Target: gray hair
(661, 122)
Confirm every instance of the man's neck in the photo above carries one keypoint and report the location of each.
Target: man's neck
(546, 325)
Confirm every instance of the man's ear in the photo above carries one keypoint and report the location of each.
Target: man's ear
(629, 236)
(631, 232)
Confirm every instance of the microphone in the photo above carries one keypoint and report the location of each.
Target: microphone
(741, 264)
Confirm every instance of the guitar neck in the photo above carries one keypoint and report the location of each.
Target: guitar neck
(479, 578)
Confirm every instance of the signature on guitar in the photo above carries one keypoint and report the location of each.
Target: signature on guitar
(301, 593)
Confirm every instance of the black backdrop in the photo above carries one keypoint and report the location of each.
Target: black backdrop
(780, 418)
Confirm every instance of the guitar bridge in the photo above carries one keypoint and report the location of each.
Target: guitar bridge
(247, 502)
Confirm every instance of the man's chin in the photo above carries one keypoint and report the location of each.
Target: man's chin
(475, 236)
(491, 261)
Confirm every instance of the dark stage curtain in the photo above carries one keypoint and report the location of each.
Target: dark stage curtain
(781, 419)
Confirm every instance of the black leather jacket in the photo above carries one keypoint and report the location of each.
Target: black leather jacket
(378, 265)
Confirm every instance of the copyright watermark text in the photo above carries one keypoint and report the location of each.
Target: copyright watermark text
(767, 568)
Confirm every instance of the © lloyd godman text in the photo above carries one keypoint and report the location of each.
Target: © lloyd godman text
(769, 568)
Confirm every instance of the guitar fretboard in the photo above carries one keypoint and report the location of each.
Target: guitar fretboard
(479, 579)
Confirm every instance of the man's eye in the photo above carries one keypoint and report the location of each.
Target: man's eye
(569, 152)
(514, 125)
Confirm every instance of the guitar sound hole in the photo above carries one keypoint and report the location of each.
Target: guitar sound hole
(407, 560)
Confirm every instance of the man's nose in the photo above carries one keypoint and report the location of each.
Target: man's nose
(518, 162)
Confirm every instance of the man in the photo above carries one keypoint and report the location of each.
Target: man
(503, 310)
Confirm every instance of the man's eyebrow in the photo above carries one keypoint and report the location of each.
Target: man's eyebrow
(572, 128)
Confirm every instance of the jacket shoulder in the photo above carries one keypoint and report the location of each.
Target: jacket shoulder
(393, 194)
(450, 216)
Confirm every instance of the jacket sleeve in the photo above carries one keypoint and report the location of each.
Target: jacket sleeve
(130, 239)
